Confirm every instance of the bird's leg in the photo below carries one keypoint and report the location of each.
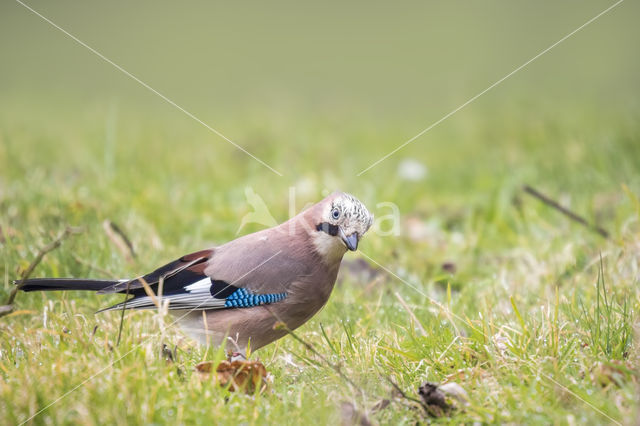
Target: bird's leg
(236, 356)
(239, 354)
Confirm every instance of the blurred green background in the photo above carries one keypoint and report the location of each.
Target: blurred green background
(257, 72)
(415, 60)
(320, 91)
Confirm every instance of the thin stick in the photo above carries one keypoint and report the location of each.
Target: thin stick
(571, 215)
(404, 395)
(69, 230)
(124, 307)
(424, 406)
(120, 239)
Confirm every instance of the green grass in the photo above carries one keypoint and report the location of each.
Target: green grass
(526, 325)
(539, 322)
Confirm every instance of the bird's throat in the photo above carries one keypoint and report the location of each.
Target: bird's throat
(329, 248)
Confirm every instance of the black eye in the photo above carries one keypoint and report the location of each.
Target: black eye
(335, 213)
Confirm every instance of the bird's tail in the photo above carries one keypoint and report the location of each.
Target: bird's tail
(50, 284)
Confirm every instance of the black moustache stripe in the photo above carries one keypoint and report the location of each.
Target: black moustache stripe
(328, 228)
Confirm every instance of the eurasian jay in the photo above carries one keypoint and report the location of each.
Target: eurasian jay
(281, 274)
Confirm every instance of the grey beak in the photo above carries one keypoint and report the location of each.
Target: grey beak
(351, 241)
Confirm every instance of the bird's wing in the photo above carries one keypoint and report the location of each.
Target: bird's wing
(190, 263)
(266, 261)
(253, 270)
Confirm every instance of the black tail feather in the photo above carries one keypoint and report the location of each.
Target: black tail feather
(51, 284)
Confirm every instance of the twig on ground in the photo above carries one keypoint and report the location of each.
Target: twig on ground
(120, 239)
(422, 404)
(404, 395)
(571, 215)
(8, 307)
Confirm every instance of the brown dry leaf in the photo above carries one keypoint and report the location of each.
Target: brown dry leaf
(236, 375)
(204, 368)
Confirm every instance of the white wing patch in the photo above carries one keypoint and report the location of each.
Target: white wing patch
(196, 296)
(199, 286)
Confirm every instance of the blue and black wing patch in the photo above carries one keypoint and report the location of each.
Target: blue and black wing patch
(242, 298)
(200, 294)
(186, 286)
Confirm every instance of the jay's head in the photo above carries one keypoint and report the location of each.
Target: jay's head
(341, 220)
